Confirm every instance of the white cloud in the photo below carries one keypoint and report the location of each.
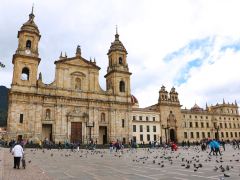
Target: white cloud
(150, 30)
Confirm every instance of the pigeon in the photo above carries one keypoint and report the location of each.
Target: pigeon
(215, 168)
(226, 175)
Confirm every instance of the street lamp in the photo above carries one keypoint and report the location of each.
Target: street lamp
(217, 128)
(165, 128)
(90, 125)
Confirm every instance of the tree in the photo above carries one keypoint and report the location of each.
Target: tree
(2, 65)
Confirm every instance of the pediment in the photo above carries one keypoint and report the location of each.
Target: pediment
(78, 61)
(77, 73)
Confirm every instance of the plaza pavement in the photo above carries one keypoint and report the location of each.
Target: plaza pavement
(137, 165)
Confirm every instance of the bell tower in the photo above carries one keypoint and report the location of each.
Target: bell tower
(118, 75)
(25, 59)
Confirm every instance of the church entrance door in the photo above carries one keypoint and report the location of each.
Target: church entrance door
(76, 132)
(47, 131)
(103, 135)
(172, 135)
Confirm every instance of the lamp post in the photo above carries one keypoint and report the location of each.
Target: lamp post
(90, 125)
(217, 128)
(165, 129)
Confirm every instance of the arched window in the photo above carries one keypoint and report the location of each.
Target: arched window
(120, 60)
(103, 117)
(28, 44)
(48, 114)
(78, 84)
(25, 74)
(122, 86)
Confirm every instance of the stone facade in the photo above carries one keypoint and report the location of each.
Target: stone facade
(75, 108)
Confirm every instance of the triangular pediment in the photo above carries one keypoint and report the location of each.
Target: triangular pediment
(78, 61)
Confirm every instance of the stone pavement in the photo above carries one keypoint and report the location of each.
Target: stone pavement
(32, 172)
(142, 164)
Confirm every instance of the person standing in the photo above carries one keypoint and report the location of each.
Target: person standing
(17, 152)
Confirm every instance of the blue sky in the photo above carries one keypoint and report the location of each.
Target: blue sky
(189, 44)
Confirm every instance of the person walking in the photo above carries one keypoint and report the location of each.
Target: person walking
(211, 145)
(17, 152)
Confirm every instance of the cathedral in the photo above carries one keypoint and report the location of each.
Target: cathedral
(75, 108)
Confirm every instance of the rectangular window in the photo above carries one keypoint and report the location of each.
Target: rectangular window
(208, 134)
(207, 125)
(21, 118)
(222, 134)
(206, 117)
(154, 129)
(148, 137)
(202, 125)
(154, 118)
(148, 129)
(231, 134)
(123, 123)
(134, 118)
(134, 128)
(155, 137)
(192, 135)
(196, 124)
(203, 135)
(221, 125)
(235, 134)
(230, 125)
(225, 125)
(185, 135)
(190, 124)
(141, 137)
(197, 134)
(227, 134)
(146, 118)
(140, 118)
(141, 128)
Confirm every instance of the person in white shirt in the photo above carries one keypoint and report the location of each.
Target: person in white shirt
(17, 152)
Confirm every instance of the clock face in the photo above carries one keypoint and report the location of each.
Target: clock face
(27, 51)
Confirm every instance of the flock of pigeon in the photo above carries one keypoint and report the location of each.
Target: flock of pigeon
(192, 159)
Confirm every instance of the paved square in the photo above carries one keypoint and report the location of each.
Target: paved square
(137, 164)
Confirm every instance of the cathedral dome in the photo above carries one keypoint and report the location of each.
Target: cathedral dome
(134, 101)
(30, 25)
(117, 45)
(196, 108)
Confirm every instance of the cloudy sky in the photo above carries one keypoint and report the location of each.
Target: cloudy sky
(193, 45)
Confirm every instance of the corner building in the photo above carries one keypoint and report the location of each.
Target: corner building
(75, 108)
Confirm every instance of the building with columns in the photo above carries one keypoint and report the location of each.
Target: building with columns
(75, 108)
